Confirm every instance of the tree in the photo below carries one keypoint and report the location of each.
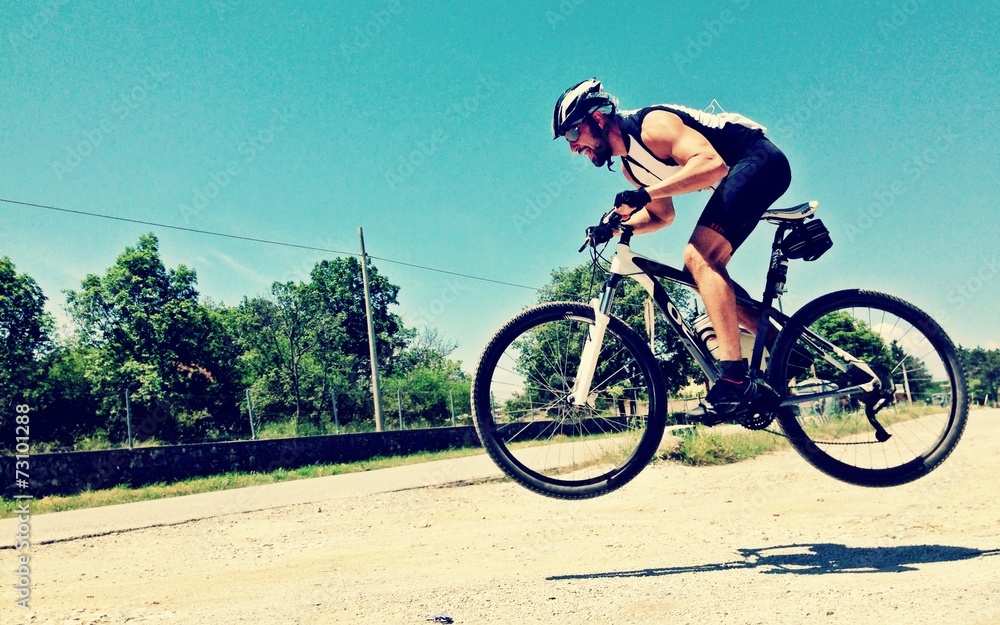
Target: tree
(307, 344)
(339, 289)
(149, 334)
(982, 370)
(68, 408)
(25, 337)
(855, 337)
(280, 335)
(345, 358)
(427, 382)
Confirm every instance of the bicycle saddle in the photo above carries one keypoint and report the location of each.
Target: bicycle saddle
(793, 213)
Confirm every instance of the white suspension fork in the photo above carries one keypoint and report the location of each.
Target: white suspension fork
(622, 265)
(588, 360)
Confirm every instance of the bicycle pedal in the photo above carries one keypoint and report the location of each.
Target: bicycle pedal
(709, 418)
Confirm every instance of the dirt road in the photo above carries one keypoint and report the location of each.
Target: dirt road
(766, 541)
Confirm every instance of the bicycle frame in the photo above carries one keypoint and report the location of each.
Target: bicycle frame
(648, 273)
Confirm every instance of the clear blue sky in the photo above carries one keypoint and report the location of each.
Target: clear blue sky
(427, 124)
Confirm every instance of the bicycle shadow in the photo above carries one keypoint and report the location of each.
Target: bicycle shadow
(814, 559)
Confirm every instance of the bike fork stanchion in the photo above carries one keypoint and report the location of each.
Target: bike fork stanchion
(595, 339)
(588, 359)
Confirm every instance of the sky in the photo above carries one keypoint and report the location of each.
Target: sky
(428, 126)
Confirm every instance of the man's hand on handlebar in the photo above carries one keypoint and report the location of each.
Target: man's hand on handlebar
(629, 202)
(604, 231)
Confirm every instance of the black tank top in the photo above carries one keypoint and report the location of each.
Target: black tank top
(729, 134)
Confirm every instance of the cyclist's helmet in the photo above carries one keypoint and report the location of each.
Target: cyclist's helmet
(578, 102)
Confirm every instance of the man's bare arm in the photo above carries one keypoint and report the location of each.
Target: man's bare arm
(701, 166)
(659, 213)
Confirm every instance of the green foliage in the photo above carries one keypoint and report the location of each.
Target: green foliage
(300, 350)
(345, 357)
(142, 329)
(279, 336)
(306, 346)
(339, 288)
(427, 383)
(982, 370)
(854, 337)
(701, 446)
(67, 409)
(25, 337)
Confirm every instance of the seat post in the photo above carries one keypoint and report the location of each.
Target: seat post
(777, 271)
(774, 287)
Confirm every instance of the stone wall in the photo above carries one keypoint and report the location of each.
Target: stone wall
(72, 472)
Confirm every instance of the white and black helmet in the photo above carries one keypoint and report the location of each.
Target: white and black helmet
(579, 101)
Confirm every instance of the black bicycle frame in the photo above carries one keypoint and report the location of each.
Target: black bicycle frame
(656, 271)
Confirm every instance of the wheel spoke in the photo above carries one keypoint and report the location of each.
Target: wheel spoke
(913, 401)
(534, 429)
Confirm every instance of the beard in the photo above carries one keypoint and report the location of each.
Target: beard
(601, 155)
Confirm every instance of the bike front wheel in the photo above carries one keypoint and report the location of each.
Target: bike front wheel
(885, 422)
(526, 420)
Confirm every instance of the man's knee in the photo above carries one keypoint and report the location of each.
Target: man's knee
(694, 260)
(701, 265)
(707, 251)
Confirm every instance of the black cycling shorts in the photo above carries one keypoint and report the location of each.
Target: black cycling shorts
(752, 185)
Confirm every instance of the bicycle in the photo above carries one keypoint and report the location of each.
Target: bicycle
(570, 401)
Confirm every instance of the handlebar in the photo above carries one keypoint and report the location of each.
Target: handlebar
(604, 230)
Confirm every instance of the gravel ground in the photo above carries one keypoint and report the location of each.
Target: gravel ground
(766, 541)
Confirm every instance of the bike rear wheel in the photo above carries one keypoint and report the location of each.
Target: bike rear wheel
(530, 427)
(892, 434)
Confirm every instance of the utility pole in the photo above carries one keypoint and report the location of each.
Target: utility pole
(253, 433)
(376, 394)
(128, 416)
(336, 418)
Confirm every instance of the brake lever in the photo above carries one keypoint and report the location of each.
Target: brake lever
(611, 218)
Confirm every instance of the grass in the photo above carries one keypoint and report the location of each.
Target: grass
(846, 424)
(702, 446)
(123, 494)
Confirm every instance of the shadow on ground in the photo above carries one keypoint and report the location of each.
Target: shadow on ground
(815, 559)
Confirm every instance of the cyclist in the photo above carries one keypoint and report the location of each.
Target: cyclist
(668, 150)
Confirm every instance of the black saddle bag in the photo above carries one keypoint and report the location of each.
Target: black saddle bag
(807, 241)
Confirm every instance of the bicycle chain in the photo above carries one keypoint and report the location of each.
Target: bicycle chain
(783, 435)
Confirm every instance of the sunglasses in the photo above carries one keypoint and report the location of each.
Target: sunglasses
(573, 133)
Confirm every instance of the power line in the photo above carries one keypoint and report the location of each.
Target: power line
(453, 273)
(182, 228)
(264, 241)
